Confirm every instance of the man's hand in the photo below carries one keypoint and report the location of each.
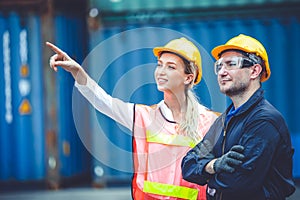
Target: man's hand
(230, 160)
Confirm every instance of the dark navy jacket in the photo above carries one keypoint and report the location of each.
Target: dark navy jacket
(266, 172)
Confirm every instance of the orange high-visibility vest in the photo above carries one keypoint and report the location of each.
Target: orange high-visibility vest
(157, 154)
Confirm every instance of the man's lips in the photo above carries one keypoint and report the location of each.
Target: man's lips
(224, 80)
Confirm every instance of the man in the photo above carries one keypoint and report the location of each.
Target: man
(247, 152)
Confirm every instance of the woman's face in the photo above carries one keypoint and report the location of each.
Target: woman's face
(169, 73)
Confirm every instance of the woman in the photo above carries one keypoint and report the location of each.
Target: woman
(162, 133)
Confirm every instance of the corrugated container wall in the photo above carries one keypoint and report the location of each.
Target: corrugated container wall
(24, 155)
(22, 148)
(70, 35)
(122, 62)
(138, 5)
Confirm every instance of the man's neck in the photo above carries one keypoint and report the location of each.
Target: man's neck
(242, 98)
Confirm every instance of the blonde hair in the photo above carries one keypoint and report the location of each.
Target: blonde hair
(189, 125)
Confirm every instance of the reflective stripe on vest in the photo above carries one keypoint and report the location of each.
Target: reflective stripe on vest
(178, 140)
(170, 190)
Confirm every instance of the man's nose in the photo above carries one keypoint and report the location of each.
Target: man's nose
(222, 70)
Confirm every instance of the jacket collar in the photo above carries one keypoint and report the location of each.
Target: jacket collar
(253, 100)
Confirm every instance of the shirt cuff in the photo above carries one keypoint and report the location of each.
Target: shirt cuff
(88, 86)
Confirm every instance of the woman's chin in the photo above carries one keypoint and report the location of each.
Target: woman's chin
(161, 88)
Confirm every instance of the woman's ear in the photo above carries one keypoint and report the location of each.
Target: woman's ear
(189, 79)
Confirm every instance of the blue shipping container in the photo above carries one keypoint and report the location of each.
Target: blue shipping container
(22, 153)
(70, 33)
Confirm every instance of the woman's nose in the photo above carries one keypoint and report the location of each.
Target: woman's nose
(161, 70)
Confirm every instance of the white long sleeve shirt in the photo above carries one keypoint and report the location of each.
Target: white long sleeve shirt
(120, 111)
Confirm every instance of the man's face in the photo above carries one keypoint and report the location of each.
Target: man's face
(233, 80)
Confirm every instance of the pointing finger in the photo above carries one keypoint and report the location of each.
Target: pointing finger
(55, 48)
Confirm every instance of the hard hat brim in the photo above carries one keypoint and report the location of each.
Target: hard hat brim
(158, 50)
(219, 49)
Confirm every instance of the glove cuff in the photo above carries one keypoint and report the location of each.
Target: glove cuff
(214, 166)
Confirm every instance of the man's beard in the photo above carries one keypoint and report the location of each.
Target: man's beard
(236, 90)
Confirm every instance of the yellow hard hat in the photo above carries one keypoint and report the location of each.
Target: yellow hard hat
(185, 49)
(247, 44)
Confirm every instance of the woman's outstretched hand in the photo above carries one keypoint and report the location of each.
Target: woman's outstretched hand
(63, 60)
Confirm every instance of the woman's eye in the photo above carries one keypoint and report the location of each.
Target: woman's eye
(171, 67)
(159, 65)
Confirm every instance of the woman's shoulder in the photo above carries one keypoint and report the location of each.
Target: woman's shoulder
(147, 107)
(206, 111)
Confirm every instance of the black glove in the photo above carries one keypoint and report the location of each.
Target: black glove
(203, 149)
(230, 160)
